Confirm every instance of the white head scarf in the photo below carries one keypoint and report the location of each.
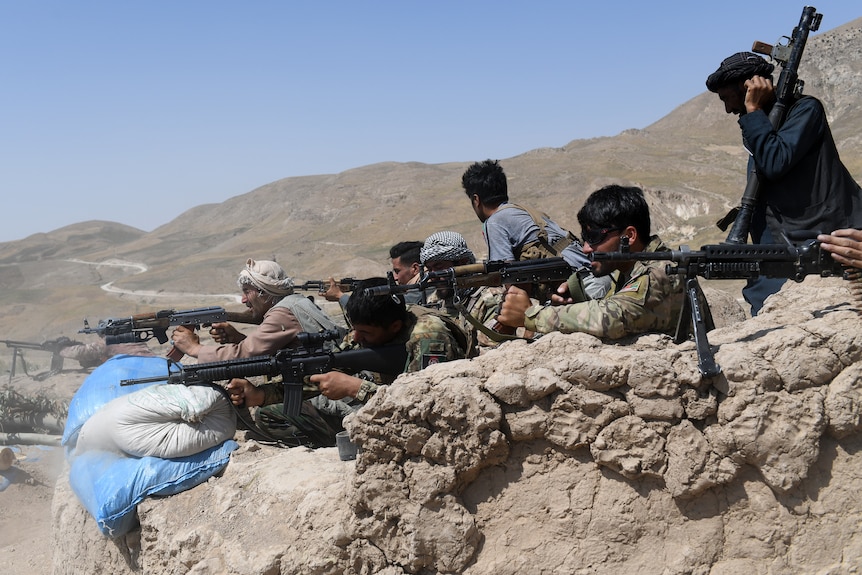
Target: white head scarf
(267, 276)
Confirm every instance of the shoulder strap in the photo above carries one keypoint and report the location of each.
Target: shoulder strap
(453, 326)
(540, 220)
(490, 333)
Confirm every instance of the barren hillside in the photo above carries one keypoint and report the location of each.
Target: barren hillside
(690, 162)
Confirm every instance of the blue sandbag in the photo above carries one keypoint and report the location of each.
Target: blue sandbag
(110, 485)
(103, 385)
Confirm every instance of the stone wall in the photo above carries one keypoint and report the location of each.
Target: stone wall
(566, 455)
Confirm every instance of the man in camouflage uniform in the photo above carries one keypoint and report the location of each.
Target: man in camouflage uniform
(376, 321)
(644, 298)
(473, 307)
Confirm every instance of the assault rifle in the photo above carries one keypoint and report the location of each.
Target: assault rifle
(726, 261)
(293, 365)
(145, 326)
(491, 273)
(52, 346)
(788, 89)
(345, 284)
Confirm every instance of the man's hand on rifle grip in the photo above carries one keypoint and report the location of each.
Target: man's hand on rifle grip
(513, 307)
(243, 394)
(223, 332)
(186, 340)
(845, 246)
(562, 297)
(759, 93)
(336, 385)
(334, 292)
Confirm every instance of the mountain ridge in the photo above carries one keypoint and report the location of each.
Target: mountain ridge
(690, 162)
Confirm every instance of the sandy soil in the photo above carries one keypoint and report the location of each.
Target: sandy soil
(26, 489)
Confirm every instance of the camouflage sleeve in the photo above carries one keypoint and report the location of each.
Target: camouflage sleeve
(648, 302)
(272, 393)
(430, 342)
(484, 305)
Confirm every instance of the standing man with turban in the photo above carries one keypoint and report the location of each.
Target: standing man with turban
(268, 292)
(804, 187)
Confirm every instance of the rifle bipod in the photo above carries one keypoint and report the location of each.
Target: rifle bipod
(696, 317)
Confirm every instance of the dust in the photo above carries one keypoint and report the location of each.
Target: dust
(27, 487)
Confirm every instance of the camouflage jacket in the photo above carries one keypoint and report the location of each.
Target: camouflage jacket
(428, 341)
(647, 300)
(481, 303)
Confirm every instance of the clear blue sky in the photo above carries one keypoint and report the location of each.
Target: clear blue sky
(136, 111)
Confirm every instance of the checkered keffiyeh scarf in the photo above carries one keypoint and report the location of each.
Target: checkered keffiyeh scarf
(445, 246)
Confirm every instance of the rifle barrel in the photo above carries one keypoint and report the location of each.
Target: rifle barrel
(740, 261)
(488, 273)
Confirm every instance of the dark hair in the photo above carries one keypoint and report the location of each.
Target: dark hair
(364, 308)
(488, 181)
(407, 252)
(616, 207)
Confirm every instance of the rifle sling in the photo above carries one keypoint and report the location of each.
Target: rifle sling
(492, 335)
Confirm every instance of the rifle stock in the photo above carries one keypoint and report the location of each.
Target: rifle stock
(789, 88)
(293, 365)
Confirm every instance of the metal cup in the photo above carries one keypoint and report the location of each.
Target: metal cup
(346, 448)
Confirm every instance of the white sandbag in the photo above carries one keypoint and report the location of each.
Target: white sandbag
(103, 385)
(161, 421)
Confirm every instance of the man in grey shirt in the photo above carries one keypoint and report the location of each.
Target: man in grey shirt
(516, 233)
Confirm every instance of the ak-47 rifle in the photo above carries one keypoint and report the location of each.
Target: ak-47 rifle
(726, 261)
(788, 89)
(488, 273)
(52, 346)
(345, 284)
(145, 326)
(492, 273)
(293, 365)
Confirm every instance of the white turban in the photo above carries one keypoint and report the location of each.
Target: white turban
(445, 247)
(267, 276)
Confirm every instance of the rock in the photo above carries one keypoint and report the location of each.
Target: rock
(7, 458)
(566, 455)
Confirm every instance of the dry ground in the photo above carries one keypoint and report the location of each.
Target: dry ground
(25, 502)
